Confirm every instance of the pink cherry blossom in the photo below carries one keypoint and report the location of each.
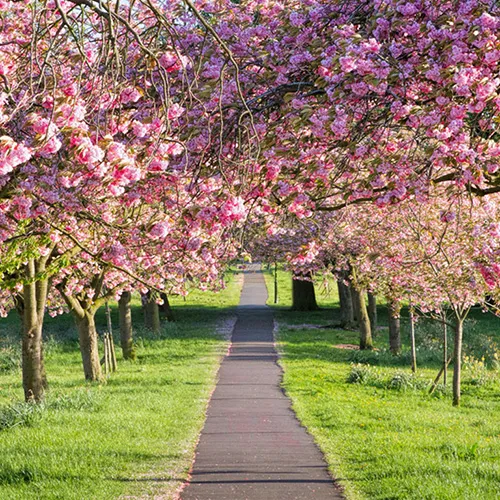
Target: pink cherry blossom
(175, 111)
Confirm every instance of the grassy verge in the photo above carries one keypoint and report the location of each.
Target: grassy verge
(383, 436)
(131, 437)
(326, 288)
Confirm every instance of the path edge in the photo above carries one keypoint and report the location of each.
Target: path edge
(220, 329)
(279, 356)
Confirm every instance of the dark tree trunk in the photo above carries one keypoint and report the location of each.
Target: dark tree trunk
(126, 332)
(84, 311)
(304, 298)
(89, 345)
(394, 327)
(151, 313)
(372, 311)
(166, 309)
(365, 339)
(33, 309)
(346, 309)
(19, 304)
(457, 361)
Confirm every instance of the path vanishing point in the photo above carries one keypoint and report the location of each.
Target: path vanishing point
(252, 446)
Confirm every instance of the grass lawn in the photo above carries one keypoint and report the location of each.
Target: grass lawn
(131, 437)
(385, 437)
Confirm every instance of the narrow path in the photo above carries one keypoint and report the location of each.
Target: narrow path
(252, 446)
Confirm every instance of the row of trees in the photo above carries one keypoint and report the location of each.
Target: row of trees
(98, 194)
(139, 138)
(440, 256)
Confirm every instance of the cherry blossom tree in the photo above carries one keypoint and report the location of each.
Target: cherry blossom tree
(94, 124)
(123, 124)
(358, 101)
(439, 254)
(452, 259)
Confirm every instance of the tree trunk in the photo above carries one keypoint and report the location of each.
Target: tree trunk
(126, 334)
(346, 309)
(372, 311)
(457, 361)
(365, 339)
(412, 342)
(355, 305)
(151, 313)
(304, 298)
(33, 310)
(394, 327)
(89, 346)
(166, 309)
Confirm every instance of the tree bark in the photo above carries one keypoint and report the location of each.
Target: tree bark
(346, 309)
(89, 345)
(126, 332)
(151, 313)
(304, 298)
(394, 328)
(33, 310)
(365, 338)
(32, 340)
(372, 311)
(457, 361)
(166, 309)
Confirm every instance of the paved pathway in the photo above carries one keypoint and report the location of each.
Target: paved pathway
(252, 446)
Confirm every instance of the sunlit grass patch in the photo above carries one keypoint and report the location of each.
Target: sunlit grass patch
(132, 436)
(383, 435)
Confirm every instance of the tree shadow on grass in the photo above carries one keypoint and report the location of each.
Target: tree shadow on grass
(147, 479)
(12, 475)
(319, 345)
(481, 332)
(61, 329)
(117, 385)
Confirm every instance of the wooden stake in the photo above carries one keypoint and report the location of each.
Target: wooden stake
(412, 339)
(275, 282)
(108, 317)
(114, 364)
(445, 352)
(106, 355)
(110, 363)
(436, 380)
(110, 357)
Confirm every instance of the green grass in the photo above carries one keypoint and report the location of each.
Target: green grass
(133, 436)
(393, 443)
(326, 296)
(325, 288)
